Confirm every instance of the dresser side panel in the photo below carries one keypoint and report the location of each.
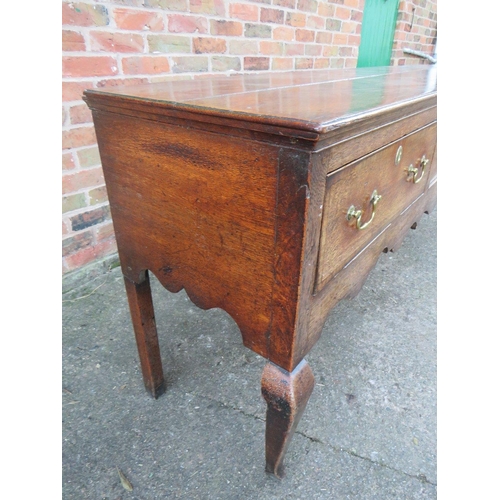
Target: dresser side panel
(196, 209)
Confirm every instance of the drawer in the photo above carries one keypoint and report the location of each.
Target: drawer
(363, 197)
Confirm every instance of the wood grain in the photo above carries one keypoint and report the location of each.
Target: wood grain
(236, 189)
(286, 395)
(354, 184)
(197, 210)
(329, 99)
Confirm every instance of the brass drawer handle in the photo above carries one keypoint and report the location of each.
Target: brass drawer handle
(414, 170)
(352, 213)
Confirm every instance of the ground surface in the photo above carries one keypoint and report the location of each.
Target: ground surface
(368, 432)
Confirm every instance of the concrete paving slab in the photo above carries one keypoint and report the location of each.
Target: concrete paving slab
(368, 432)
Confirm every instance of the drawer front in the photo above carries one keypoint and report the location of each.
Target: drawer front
(363, 197)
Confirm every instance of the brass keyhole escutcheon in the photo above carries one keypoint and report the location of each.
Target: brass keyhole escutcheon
(399, 154)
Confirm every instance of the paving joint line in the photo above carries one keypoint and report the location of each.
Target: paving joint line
(420, 477)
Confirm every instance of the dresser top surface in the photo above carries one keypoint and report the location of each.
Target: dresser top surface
(314, 100)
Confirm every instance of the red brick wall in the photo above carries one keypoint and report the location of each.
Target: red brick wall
(416, 29)
(133, 41)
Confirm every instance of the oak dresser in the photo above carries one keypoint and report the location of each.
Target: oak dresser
(267, 195)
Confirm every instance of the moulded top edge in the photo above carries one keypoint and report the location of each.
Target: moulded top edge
(316, 101)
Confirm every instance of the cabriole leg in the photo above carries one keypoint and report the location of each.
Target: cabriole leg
(286, 394)
(143, 320)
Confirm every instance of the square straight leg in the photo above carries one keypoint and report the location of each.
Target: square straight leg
(143, 320)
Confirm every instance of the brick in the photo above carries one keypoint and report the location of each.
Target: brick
(284, 33)
(307, 5)
(209, 45)
(181, 5)
(104, 232)
(313, 49)
(73, 202)
(138, 20)
(357, 16)
(256, 63)
(350, 63)
(84, 14)
(169, 44)
(68, 161)
(90, 218)
(294, 49)
(400, 36)
(72, 41)
(296, 19)
(243, 47)
(113, 82)
(178, 23)
(285, 3)
(333, 24)
(225, 63)
(272, 16)
(304, 63)
(98, 195)
(326, 10)
(116, 42)
(190, 64)
(214, 7)
(226, 28)
(80, 113)
(321, 63)
(268, 48)
(65, 115)
(282, 63)
(336, 63)
(354, 40)
(78, 137)
(89, 66)
(83, 179)
(340, 39)
(302, 35)
(244, 12)
(145, 65)
(65, 227)
(342, 12)
(89, 157)
(345, 51)
(349, 27)
(77, 242)
(324, 37)
(73, 91)
(330, 50)
(316, 22)
(130, 3)
(351, 3)
(89, 254)
(258, 30)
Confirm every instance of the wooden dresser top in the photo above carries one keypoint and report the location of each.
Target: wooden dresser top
(311, 101)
